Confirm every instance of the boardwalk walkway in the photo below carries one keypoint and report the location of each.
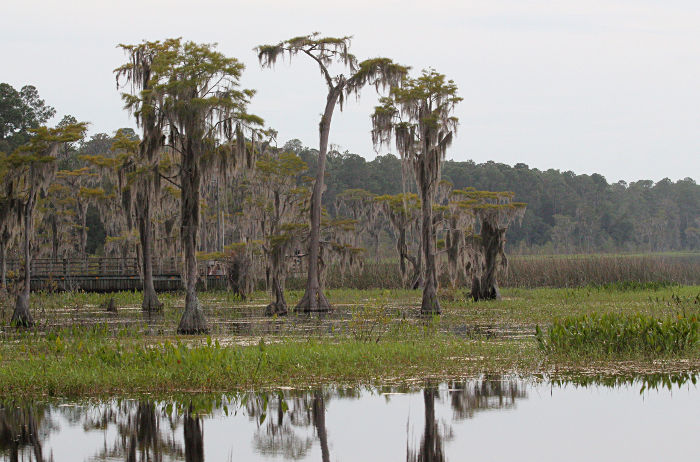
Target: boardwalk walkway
(103, 274)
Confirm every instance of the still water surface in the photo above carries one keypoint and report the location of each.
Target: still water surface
(485, 418)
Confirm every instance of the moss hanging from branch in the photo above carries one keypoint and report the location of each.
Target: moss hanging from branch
(483, 254)
(377, 72)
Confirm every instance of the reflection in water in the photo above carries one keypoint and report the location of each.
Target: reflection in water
(277, 437)
(136, 430)
(466, 397)
(194, 437)
(492, 392)
(319, 415)
(431, 444)
(19, 432)
(289, 424)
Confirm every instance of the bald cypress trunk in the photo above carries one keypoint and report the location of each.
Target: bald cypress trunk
(430, 303)
(143, 211)
(3, 267)
(486, 286)
(401, 248)
(82, 211)
(414, 280)
(279, 306)
(192, 321)
(22, 317)
(314, 299)
(54, 238)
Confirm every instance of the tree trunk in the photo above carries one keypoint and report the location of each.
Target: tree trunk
(376, 247)
(486, 288)
(220, 218)
(192, 321)
(430, 304)
(3, 268)
(54, 238)
(143, 211)
(22, 317)
(279, 306)
(314, 299)
(400, 247)
(319, 417)
(82, 210)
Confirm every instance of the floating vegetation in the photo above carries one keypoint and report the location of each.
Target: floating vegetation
(613, 334)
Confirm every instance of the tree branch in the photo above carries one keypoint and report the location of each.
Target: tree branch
(324, 71)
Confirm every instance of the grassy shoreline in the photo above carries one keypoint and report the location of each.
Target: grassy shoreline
(89, 367)
(374, 338)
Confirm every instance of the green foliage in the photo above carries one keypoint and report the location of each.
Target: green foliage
(418, 113)
(191, 92)
(617, 335)
(20, 111)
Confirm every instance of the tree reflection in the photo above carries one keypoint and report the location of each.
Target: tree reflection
(194, 437)
(20, 436)
(277, 435)
(140, 436)
(319, 417)
(287, 423)
(466, 397)
(489, 392)
(431, 445)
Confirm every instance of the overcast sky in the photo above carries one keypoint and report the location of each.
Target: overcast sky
(606, 86)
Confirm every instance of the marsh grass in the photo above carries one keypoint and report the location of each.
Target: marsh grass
(601, 269)
(618, 335)
(374, 336)
(532, 271)
(94, 361)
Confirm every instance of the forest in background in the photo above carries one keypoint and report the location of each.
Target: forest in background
(566, 212)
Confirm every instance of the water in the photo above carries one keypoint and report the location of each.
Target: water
(485, 418)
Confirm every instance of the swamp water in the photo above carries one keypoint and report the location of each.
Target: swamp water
(485, 418)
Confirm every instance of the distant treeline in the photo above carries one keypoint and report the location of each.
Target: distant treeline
(566, 212)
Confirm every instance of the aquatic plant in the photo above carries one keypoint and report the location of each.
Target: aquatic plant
(615, 334)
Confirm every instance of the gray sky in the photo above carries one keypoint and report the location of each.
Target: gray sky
(607, 86)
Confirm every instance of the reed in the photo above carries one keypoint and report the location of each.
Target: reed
(557, 271)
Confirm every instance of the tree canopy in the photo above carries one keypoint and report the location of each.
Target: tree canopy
(20, 111)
